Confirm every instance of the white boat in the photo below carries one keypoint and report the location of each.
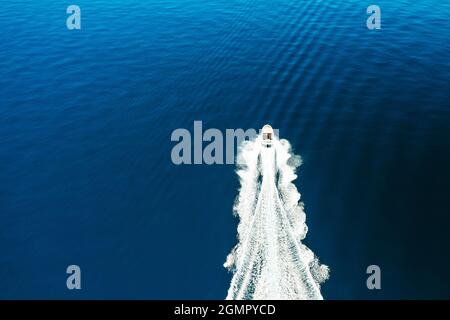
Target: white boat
(267, 136)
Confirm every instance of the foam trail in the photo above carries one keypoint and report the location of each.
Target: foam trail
(269, 261)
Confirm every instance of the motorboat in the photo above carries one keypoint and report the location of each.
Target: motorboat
(267, 136)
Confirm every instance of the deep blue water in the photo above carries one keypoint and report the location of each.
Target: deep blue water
(86, 116)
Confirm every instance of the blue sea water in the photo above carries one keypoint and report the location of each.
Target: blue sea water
(86, 118)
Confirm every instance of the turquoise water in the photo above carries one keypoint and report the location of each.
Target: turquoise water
(86, 118)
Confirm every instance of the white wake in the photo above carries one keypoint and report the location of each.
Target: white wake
(269, 261)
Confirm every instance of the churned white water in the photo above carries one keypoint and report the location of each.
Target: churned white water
(270, 261)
